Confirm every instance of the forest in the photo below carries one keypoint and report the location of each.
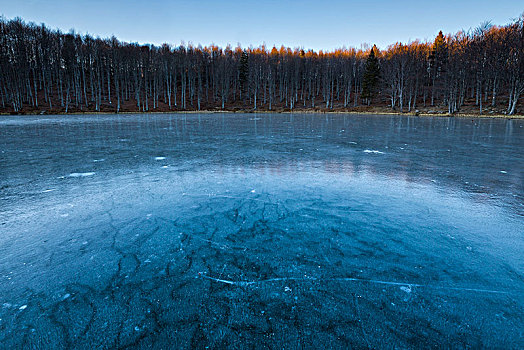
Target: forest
(42, 70)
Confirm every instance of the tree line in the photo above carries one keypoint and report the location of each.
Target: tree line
(47, 70)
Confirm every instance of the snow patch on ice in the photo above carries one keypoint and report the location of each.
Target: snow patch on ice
(373, 151)
(81, 174)
(406, 289)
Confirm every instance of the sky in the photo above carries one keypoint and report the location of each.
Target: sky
(318, 25)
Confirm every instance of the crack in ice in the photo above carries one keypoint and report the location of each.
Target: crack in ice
(351, 279)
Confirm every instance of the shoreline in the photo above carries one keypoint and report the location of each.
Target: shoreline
(388, 113)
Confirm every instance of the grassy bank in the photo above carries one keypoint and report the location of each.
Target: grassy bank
(367, 111)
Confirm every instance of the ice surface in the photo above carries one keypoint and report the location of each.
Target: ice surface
(274, 233)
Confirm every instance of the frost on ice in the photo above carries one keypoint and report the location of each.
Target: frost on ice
(81, 174)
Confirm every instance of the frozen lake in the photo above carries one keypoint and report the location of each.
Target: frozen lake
(243, 230)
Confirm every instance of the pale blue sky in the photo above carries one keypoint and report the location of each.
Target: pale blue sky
(318, 25)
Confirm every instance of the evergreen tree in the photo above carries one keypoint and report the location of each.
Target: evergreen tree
(439, 55)
(243, 70)
(371, 77)
(438, 60)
